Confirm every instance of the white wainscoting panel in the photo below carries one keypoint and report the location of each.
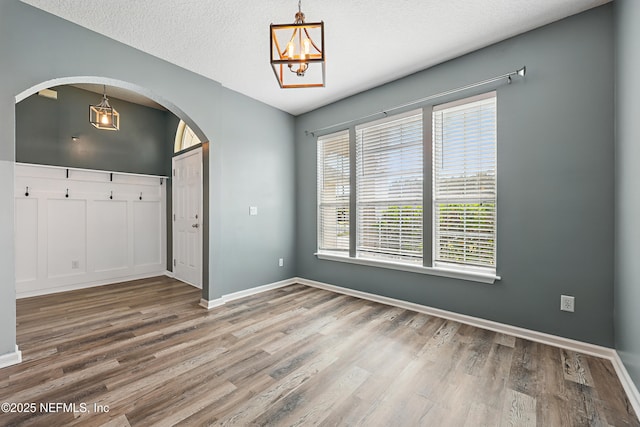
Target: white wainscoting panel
(147, 219)
(66, 237)
(78, 228)
(109, 240)
(26, 226)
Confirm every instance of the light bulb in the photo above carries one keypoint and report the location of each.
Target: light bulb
(290, 50)
(105, 119)
(306, 45)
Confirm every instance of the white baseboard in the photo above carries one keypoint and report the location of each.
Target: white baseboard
(209, 304)
(84, 285)
(169, 274)
(629, 386)
(10, 358)
(259, 289)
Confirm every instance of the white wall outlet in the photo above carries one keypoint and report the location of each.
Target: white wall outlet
(567, 303)
(75, 264)
(281, 262)
(253, 210)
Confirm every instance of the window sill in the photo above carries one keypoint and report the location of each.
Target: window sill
(433, 271)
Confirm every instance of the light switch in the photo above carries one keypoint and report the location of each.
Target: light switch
(253, 210)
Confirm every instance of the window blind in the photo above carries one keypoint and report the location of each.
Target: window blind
(464, 182)
(389, 188)
(333, 192)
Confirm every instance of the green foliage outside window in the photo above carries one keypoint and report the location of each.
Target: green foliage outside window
(467, 233)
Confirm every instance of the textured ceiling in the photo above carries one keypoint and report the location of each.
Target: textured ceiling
(367, 42)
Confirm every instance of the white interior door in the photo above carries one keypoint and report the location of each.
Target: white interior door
(187, 217)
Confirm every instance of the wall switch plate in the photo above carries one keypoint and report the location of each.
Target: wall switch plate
(281, 262)
(567, 303)
(253, 210)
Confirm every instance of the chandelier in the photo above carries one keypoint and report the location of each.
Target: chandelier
(297, 53)
(103, 115)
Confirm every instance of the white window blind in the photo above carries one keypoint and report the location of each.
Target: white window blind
(333, 192)
(389, 179)
(464, 182)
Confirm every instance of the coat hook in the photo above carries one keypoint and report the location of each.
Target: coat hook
(141, 195)
(67, 195)
(111, 196)
(27, 192)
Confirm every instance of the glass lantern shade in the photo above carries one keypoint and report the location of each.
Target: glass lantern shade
(104, 116)
(297, 54)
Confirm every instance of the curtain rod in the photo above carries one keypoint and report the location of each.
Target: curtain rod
(520, 73)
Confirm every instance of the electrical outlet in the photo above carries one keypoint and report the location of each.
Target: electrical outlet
(75, 264)
(281, 262)
(567, 303)
(253, 210)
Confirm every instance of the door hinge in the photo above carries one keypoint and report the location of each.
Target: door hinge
(174, 172)
(174, 262)
(174, 217)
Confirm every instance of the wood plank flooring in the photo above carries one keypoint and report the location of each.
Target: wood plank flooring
(144, 353)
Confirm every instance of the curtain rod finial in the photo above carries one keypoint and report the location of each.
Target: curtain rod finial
(522, 71)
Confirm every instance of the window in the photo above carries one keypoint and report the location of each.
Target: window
(456, 234)
(333, 192)
(464, 182)
(389, 188)
(185, 138)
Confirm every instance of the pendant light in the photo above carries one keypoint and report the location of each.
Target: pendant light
(103, 115)
(297, 53)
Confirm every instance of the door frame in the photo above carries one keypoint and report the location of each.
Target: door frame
(195, 150)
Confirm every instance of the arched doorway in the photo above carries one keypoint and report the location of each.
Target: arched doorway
(132, 87)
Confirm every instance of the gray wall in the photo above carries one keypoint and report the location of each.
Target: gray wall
(555, 182)
(44, 128)
(248, 164)
(627, 236)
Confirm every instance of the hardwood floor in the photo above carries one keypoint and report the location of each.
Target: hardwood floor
(145, 353)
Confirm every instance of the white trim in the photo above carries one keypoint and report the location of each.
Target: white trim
(93, 170)
(11, 358)
(472, 276)
(627, 383)
(169, 274)
(259, 289)
(76, 286)
(209, 304)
